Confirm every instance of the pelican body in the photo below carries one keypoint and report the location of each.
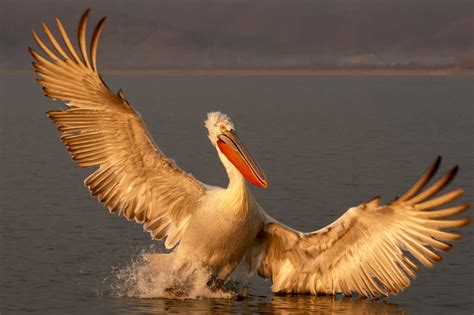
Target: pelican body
(364, 252)
(229, 219)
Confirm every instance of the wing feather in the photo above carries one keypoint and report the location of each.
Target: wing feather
(95, 42)
(365, 251)
(82, 37)
(54, 42)
(100, 129)
(67, 41)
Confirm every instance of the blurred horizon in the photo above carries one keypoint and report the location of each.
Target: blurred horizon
(364, 36)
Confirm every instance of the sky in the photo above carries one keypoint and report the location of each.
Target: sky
(184, 34)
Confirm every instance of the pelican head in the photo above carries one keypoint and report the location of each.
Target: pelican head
(223, 136)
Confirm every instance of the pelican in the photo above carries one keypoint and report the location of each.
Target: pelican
(367, 252)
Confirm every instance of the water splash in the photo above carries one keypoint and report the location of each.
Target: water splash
(158, 275)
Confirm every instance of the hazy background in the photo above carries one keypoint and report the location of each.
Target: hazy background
(157, 34)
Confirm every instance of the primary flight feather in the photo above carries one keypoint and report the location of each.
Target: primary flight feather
(363, 252)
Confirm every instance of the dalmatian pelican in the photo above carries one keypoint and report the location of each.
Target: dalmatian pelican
(368, 251)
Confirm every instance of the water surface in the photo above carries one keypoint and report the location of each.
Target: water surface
(325, 143)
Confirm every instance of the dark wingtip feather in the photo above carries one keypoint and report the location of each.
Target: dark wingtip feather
(81, 36)
(455, 169)
(447, 248)
(464, 222)
(452, 173)
(84, 18)
(437, 163)
(95, 41)
(435, 166)
(421, 182)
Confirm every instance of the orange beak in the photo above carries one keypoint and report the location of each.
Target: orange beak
(230, 145)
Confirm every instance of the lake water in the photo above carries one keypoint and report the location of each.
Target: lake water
(325, 143)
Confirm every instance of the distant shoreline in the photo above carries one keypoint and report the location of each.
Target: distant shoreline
(275, 72)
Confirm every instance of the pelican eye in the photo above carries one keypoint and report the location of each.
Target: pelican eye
(223, 128)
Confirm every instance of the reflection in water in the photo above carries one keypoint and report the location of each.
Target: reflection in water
(327, 305)
(284, 304)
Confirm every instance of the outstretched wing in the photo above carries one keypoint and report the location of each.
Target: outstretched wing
(100, 128)
(365, 250)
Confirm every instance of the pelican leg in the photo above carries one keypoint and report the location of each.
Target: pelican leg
(216, 284)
